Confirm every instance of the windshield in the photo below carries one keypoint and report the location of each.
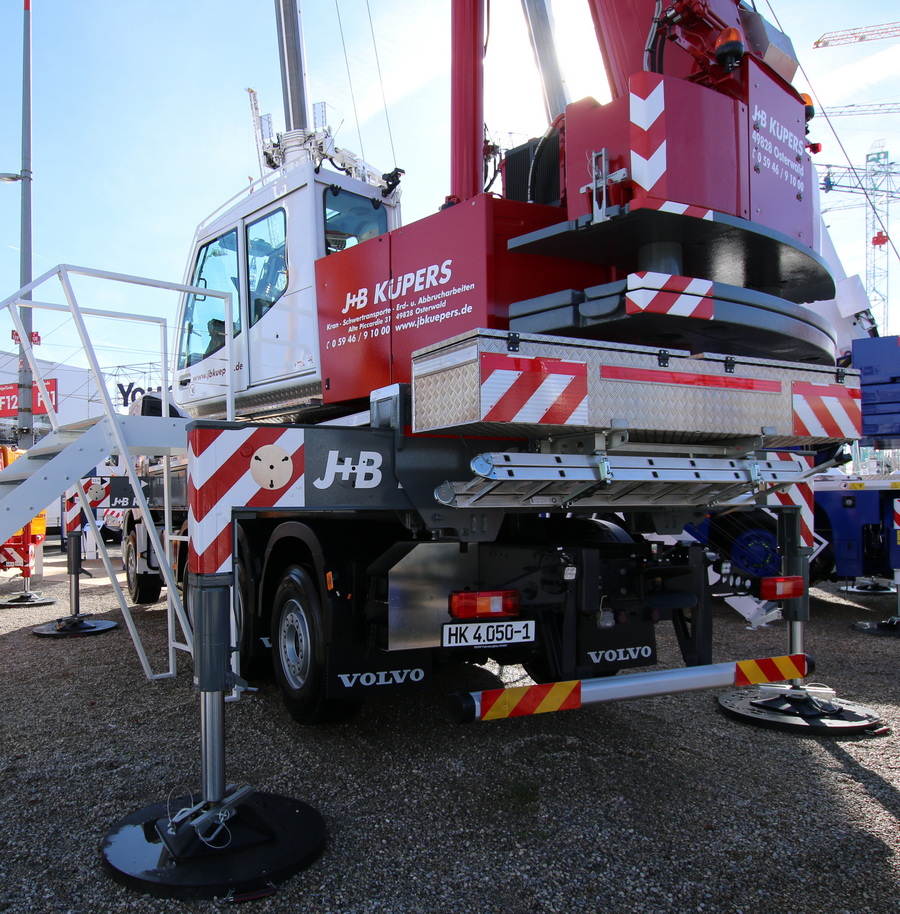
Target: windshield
(350, 219)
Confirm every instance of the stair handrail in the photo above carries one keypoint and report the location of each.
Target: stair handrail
(18, 300)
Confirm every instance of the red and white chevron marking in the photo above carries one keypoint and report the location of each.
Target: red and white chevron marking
(799, 496)
(97, 490)
(73, 512)
(539, 391)
(897, 513)
(826, 410)
(16, 555)
(647, 106)
(670, 206)
(665, 293)
(227, 468)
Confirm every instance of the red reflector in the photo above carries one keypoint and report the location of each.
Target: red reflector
(781, 588)
(472, 604)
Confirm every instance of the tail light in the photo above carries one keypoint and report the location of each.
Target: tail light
(786, 588)
(484, 604)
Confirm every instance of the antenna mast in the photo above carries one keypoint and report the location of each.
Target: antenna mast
(293, 72)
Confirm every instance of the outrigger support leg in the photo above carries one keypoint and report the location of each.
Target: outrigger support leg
(234, 843)
(75, 625)
(801, 707)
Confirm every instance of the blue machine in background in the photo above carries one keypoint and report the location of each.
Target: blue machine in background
(860, 516)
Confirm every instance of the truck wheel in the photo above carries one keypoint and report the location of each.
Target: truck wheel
(142, 588)
(298, 651)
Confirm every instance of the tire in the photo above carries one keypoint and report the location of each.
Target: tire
(142, 588)
(298, 651)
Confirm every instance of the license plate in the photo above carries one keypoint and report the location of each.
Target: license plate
(487, 634)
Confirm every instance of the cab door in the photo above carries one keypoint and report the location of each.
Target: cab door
(281, 314)
(202, 368)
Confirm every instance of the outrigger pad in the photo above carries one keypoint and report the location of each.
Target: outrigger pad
(28, 598)
(74, 627)
(797, 711)
(267, 840)
(890, 627)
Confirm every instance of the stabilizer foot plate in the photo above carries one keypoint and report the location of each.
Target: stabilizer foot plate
(267, 840)
(28, 598)
(74, 627)
(797, 710)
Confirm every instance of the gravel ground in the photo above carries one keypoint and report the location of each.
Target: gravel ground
(655, 805)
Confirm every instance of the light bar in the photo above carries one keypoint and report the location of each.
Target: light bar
(484, 604)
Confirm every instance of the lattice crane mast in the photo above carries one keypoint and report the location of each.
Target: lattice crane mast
(874, 108)
(879, 181)
(865, 33)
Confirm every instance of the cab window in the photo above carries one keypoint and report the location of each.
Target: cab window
(350, 219)
(266, 263)
(203, 329)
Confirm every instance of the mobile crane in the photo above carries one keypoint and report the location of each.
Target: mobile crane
(495, 408)
(463, 438)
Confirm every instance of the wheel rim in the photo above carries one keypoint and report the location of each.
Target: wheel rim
(130, 564)
(294, 645)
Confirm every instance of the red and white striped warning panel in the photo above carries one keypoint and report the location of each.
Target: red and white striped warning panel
(521, 701)
(799, 496)
(647, 107)
(666, 293)
(73, 512)
(672, 206)
(540, 391)
(253, 467)
(771, 669)
(16, 555)
(96, 488)
(826, 410)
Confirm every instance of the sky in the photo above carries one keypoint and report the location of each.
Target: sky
(142, 127)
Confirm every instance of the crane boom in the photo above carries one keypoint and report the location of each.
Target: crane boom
(866, 33)
(875, 108)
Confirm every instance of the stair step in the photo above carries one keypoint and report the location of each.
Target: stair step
(64, 457)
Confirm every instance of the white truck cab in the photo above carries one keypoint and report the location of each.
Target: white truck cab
(263, 250)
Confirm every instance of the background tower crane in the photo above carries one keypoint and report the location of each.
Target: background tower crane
(866, 33)
(874, 108)
(880, 177)
(880, 183)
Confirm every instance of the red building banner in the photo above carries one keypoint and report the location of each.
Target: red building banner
(9, 399)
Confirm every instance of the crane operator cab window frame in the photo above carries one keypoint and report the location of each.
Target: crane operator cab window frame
(203, 330)
(351, 219)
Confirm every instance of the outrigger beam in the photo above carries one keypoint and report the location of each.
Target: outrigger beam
(520, 701)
